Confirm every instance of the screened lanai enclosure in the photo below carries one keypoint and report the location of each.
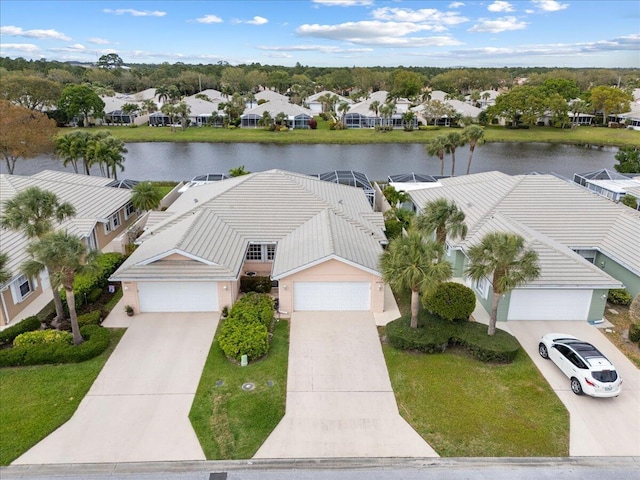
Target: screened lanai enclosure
(203, 179)
(126, 184)
(159, 119)
(349, 177)
(119, 117)
(414, 178)
(252, 120)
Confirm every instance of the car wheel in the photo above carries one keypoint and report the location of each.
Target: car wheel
(542, 350)
(575, 386)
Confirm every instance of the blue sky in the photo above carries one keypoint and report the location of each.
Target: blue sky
(551, 33)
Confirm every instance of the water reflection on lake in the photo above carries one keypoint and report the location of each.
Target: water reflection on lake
(182, 161)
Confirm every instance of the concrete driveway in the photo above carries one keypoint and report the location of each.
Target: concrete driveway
(339, 397)
(137, 409)
(599, 426)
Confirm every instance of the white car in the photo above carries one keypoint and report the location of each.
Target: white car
(589, 370)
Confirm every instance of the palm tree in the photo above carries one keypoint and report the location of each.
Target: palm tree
(503, 258)
(129, 109)
(343, 108)
(146, 196)
(65, 256)
(73, 146)
(473, 134)
(444, 218)
(437, 147)
(375, 108)
(5, 274)
(453, 140)
(410, 262)
(162, 93)
(33, 212)
(183, 111)
(107, 152)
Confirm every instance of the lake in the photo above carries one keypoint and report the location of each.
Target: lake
(183, 161)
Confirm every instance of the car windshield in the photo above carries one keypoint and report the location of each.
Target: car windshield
(605, 376)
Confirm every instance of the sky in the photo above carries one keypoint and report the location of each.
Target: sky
(328, 33)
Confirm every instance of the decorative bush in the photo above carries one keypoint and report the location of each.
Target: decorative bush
(97, 340)
(313, 124)
(85, 286)
(393, 228)
(27, 325)
(619, 296)
(435, 334)
(91, 318)
(238, 338)
(42, 337)
(254, 307)
(451, 301)
(634, 332)
(255, 284)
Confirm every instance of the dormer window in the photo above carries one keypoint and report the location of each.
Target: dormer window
(261, 252)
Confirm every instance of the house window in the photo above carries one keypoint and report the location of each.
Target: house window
(21, 289)
(261, 252)
(482, 287)
(129, 210)
(113, 223)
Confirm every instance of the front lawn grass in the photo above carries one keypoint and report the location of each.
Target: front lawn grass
(232, 423)
(35, 401)
(465, 408)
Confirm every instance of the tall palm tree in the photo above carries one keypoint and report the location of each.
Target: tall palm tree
(73, 146)
(504, 258)
(146, 196)
(474, 135)
(453, 140)
(375, 108)
(437, 147)
(444, 218)
(5, 274)
(343, 108)
(107, 152)
(410, 262)
(162, 93)
(65, 256)
(33, 212)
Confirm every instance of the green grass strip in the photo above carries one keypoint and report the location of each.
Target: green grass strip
(232, 423)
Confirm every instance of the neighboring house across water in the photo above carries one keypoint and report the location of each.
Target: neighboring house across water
(586, 244)
(361, 114)
(316, 105)
(319, 243)
(296, 116)
(102, 214)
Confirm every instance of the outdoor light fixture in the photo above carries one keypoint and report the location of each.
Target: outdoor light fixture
(224, 287)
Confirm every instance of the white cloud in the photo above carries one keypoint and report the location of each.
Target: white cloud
(135, 13)
(76, 48)
(424, 15)
(314, 48)
(456, 5)
(12, 31)
(99, 41)
(550, 5)
(344, 3)
(500, 6)
(279, 55)
(254, 21)
(20, 47)
(498, 25)
(362, 32)
(209, 19)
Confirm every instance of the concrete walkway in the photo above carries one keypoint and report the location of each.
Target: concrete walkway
(137, 409)
(339, 397)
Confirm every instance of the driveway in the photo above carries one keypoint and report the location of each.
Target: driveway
(339, 397)
(137, 409)
(599, 426)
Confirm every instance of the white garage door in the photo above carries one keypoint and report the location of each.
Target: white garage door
(549, 304)
(178, 296)
(318, 296)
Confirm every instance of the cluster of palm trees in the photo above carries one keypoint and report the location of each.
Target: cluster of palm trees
(416, 262)
(34, 212)
(99, 148)
(473, 135)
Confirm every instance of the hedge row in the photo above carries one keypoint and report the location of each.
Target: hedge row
(97, 340)
(619, 296)
(434, 335)
(27, 325)
(88, 288)
(634, 332)
(257, 284)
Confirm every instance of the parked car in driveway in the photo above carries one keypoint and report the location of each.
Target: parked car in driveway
(588, 369)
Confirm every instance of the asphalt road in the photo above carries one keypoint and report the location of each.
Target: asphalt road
(586, 468)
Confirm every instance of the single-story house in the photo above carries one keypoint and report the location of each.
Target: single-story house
(297, 116)
(318, 242)
(586, 244)
(102, 214)
(362, 115)
(316, 106)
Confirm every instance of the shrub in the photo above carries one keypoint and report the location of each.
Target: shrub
(634, 332)
(27, 325)
(43, 337)
(91, 318)
(630, 201)
(238, 338)
(313, 124)
(97, 340)
(95, 295)
(429, 337)
(619, 296)
(254, 307)
(451, 301)
(501, 347)
(393, 228)
(255, 284)
(85, 286)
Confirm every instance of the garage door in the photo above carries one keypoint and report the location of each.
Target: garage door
(178, 296)
(549, 304)
(318, 296)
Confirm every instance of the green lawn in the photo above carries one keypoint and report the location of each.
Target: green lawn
(34, 401)
(578, 136)
(232, 423)
(466, 408)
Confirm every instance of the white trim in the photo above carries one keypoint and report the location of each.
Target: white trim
(323, 260)
(175, 251)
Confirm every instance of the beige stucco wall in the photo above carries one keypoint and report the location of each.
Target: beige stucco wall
(331, 271)
(13, 310)
(103, 240)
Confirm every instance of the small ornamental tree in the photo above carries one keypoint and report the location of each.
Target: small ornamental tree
(451, 301)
